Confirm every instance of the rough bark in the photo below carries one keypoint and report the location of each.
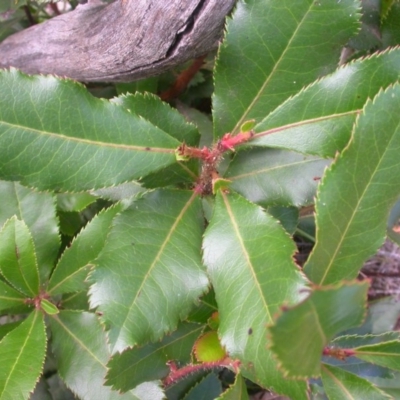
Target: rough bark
(121, 41)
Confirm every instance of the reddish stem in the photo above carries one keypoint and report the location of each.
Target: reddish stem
(340, 354)
(177, 374)
(183, 80)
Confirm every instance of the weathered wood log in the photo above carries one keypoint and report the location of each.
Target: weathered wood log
(122, 41)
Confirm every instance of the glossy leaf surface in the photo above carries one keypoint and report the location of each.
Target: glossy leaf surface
(351, 207)
(300, 334)
(320, 118)
(79, 345)
(17, 257)
(269, 176)
(342, 385)
(385, 354)
(271, 50)
(109, 145)
(38, 211)
(69, 202)
(137, 365)
(152, 256)
(9, 297)
(160, 114)
(22, 354)
(73, 267)
(249, 260)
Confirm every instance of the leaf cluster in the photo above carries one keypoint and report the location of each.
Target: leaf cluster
(148, 252)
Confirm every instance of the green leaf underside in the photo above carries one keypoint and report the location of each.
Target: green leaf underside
(17, 257)
(384, 354)
(237, 391)
(325, 313)
(73, 267)
(171, 122)
(137, 365)
(22, 354)
(152, 252)
(343, 385)
(80, 347)
(9, 297)
(249, 260)
(38, 211)
(270, 176)
(355, 196)
(92, 143)
(271, 50)
(319, 119)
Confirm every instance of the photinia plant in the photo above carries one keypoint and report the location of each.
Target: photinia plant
(181, 261)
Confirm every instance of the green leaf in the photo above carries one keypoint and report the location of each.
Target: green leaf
(68, 202)
(38, 211)
(10, 297)
(161, 115)
(352, 207)
(72, 269)
(71, 141)
(368, 37)
(249, 260)
(124, 191)
(271, 50)
(22, 354)
(75, 301)
(386, 6)
(5, 328)
(342, 385)
(17, 257)
(152, 252)
(386, 354)
(390, 28)
(356, 365)
(237, 391)
(48, 307)
(7, 5)
(207, 389)
(79, 344)
(319, 119)
(390, 386)
(382, 317)
(137, 365)
(270, 177)
(287, 216)
(144, 85)
(325, 313)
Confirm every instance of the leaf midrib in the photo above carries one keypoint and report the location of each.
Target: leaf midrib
(155, 261)
(303, 122)
(275, 168)
(257, 96)
(350, 220)
(245, 252)
(148, 149)
(28, 336)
